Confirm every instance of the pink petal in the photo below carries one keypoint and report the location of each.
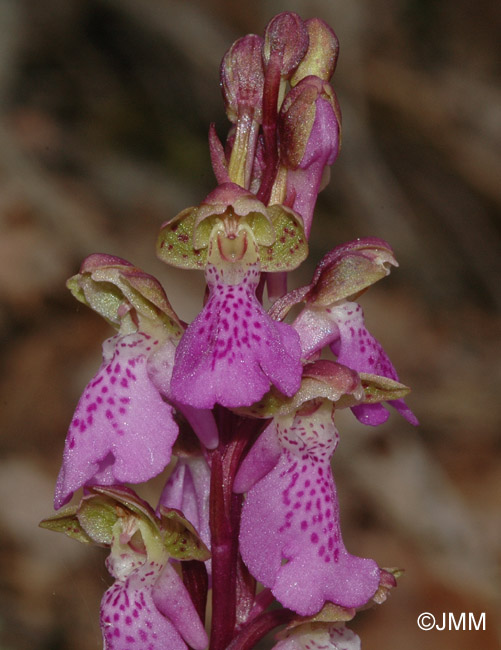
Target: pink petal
(130, 619)
(122, 430)
(202, 421)
(261, 459)
(359, 350)
(172, 599)
(304, 183)
(316, 329)
(293, 514)
(233, 350)
(188, 490)
(356, 347)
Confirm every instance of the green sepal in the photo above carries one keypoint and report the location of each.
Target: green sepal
(105, 299)
(322, 380)
(381, 389)
(329, 614)
(97, 515)
(180, 537)
(346, 271)
(114, 288)
(184, 240)
(175, 242)
(66, 521)
(290, 247)
(277, 231)
(94, 519)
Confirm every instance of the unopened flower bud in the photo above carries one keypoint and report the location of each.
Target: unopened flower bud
(242, 78)
(321, 57)
(286, 38)
(297, 118)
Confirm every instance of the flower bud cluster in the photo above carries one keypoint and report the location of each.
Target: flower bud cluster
(285, 113)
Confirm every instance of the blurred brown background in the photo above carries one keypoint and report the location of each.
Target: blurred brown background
(104, 111)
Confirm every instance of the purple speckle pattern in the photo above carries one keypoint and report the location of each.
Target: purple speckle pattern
(358, 349)
(130, 619)
(290, 533)
(320, 637)
(233, 350)
(122, 430)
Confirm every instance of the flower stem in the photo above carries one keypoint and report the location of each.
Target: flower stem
(223, 564)
(197, 583)
(259, 627)
(236, 433)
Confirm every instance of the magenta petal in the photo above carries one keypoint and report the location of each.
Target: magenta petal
(261, 459)
(122, 430)
(233, 350)
(172, 599)
(202, 421)
(130, 618)
(400, 406)
(304, 183)
(371, 414)
(293, 514)
(316, 330)
(358, 349)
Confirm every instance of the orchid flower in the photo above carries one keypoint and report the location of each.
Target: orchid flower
(331, 317)
(233, 351)
(148, 606)
(108, 435)
(290, 535)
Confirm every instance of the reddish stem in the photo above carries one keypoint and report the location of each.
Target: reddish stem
(259, 627)
(197, 583)
(236, 434)
(223, 567)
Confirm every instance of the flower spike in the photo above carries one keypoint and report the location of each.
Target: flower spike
(277, 230)
(240, 400)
